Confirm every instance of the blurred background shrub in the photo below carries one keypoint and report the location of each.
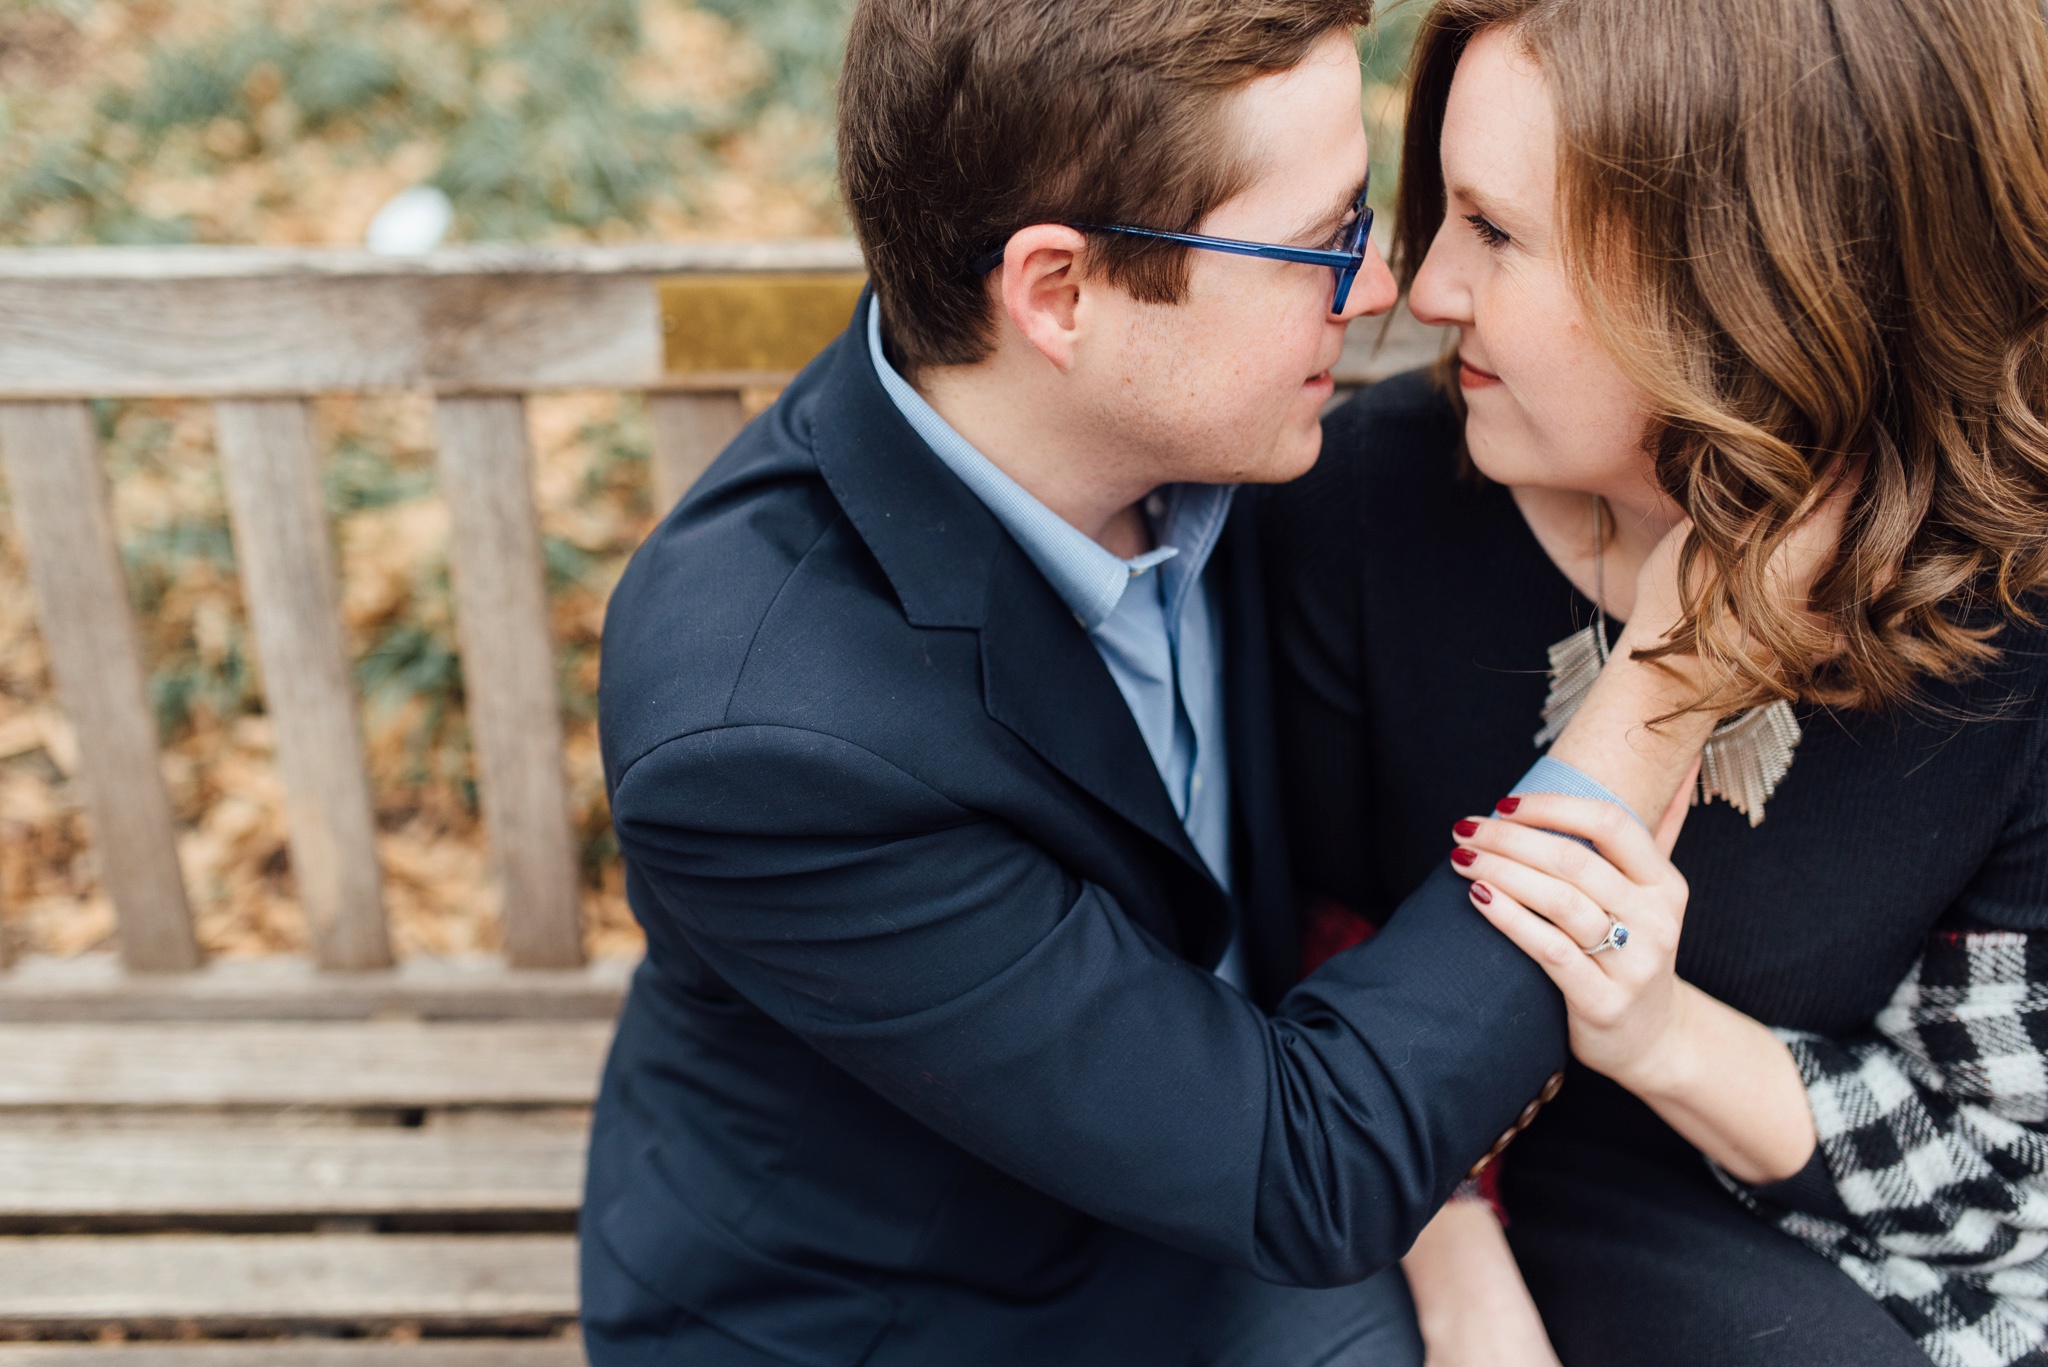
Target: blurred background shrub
(292, 122)
(274, 121)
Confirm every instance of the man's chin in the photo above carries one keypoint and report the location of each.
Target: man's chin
(1293, 456)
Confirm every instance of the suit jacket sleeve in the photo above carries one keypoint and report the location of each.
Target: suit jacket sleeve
(955, 967)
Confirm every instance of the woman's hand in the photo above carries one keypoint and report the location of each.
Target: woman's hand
(1716, 1076)
(1470, 1301)
(1793, 570)
(1556, 900)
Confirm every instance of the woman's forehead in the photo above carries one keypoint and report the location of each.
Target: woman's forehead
(1500, 132)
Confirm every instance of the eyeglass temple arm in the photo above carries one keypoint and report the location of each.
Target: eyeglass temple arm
(1271, 251)
(1307, 256)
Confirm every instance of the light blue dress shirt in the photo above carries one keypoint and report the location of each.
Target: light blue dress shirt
(1152, 618)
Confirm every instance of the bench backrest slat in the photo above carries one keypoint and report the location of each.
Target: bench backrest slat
(689, 432)
(289, 583)
(61, 507)
(508, 671)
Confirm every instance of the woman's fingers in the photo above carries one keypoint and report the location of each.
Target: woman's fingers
(1546, 852)
(1815, 542)
(1582, 919)
(1625, 842)
(1587, 990)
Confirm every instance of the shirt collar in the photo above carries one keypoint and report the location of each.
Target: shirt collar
(1186, 519)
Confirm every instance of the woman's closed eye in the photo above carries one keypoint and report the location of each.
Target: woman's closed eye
(1488, 233)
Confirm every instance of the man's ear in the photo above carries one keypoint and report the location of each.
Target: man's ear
(1041, 285)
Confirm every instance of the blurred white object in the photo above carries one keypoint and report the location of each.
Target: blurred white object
(411, 221)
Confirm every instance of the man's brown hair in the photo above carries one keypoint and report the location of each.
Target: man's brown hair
(962, 121)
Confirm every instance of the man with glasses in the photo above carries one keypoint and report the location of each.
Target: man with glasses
(972, 1028)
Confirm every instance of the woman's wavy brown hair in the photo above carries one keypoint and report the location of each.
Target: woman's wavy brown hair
(1815, 232)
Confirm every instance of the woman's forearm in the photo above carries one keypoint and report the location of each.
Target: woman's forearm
(1731, 1088)
(1611, 737)
(1470, 1301)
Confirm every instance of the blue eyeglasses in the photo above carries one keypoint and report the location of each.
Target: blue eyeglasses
(1346, 260)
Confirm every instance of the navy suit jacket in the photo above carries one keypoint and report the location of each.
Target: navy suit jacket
(925, 1064)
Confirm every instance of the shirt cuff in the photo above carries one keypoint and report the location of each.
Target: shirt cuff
(1549, 775)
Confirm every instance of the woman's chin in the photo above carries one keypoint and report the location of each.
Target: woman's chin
(1503, 460)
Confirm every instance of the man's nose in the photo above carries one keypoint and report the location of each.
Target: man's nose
(1373, 291)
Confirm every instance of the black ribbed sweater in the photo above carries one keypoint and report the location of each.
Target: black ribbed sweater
(1413, 609)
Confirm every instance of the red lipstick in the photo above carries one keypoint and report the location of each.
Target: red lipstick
(1472, 377)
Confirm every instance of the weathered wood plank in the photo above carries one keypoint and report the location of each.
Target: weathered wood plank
(286, 561)
(93, 987)
(689, 432)
(297, 1063)
(508, 670)
(202, 1173)
(253, 1281)
(225, 322)
(230, 322)
(61, 508)
(151, 264)
(564, 1351)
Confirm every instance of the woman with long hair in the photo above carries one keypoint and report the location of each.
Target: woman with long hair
(1718, 264)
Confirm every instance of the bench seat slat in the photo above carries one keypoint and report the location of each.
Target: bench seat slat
(92, 987)
(539, 1352)
(251, 1281)
(204, 1173)
(329, 1064)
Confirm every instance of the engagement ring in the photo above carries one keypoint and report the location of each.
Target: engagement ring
(1616, 937)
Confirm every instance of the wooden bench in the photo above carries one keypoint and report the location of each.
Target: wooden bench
(338, 1159)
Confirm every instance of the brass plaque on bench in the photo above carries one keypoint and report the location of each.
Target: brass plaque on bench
(752, 329)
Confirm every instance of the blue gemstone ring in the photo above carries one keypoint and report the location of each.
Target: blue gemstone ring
(1616, 937)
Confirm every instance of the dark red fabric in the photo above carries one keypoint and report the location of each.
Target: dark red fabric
(1328, 928)
(1489, 1190)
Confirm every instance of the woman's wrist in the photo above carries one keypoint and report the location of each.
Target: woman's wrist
(1668, 1069)
(1730, 1086)
(1613, 739)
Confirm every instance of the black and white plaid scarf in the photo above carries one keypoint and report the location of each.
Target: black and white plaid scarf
(1935, 1131)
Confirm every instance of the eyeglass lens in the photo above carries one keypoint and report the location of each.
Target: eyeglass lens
(1354, 242)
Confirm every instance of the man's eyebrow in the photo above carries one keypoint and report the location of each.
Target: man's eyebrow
(1325, 228)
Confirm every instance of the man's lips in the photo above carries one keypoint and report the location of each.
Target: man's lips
(1320, 378)
(1472, 377)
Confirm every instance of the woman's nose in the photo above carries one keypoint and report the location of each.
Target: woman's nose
(1435, 296)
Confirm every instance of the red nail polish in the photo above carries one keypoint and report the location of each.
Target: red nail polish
(1507, 805)
(1463, 857)
(1467, 828)
(1482, 894)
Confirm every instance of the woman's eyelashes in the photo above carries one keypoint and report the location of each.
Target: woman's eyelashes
(1490, 235)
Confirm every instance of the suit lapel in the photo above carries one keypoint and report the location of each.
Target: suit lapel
(953, 565)
(1042, 678)
(1263, 883)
